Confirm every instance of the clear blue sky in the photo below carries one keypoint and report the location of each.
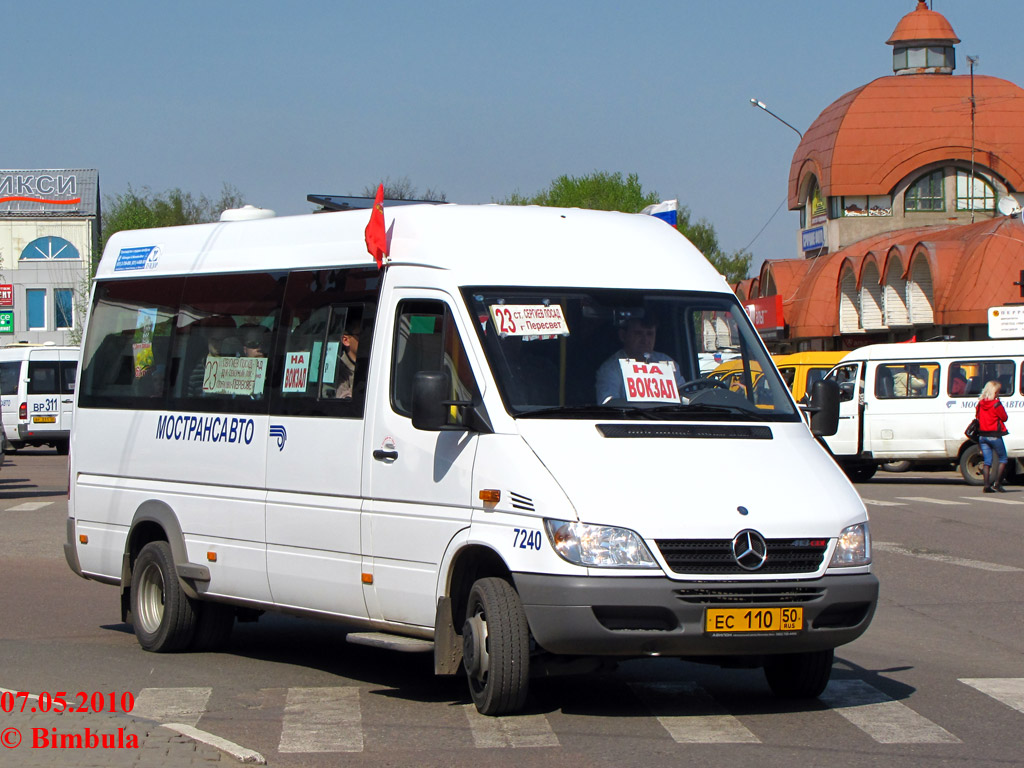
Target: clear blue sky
(477, 100)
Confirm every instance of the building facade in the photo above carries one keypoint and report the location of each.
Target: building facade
(49, 233)
(903, 188)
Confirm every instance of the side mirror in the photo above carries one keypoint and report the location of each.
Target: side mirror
(429, 395)
(824, 408)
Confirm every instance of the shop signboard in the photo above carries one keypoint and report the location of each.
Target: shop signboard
(6, 295)
(1006, 322)
(6, 321)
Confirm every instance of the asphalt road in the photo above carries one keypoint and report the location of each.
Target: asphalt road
(937, 679)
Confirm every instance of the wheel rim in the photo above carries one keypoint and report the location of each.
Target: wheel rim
(975, 466)
(151, 598)
(474, 649)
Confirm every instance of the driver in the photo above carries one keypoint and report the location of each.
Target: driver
(637, 336)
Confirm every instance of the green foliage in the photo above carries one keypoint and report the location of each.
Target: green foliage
(146, 209)
(599, 191)
(602, 191)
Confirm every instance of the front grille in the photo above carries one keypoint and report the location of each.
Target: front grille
(748, 595)
(714, 556)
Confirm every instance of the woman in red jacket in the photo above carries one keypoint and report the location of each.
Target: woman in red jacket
(991, 428)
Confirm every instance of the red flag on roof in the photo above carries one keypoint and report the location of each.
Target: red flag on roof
(376, 234)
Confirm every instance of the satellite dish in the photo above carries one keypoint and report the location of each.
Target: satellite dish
(1008, 206)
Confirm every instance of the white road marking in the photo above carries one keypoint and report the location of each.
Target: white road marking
(520, 731)
(322, 720)
(888, 546)
(691, 715)
(995, 499)
(30, 506)
(241, 754)
(880, 503)
(930, 500)
(175, 705)
(880, 717)
(1008, 690)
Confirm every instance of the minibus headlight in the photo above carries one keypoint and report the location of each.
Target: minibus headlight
(598, 546)
(853, 547)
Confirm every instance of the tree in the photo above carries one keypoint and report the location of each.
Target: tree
(603, 191)
(145, 209)
(403, 189)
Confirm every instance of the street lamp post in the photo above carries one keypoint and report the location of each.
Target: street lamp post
(761, 105)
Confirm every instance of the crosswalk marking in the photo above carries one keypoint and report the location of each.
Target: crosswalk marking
(518, 731)
(691, 715)
(30, 506)
(930, 500)
(172, 705)
(880, 503)
(981, 565)
(994, 500)
(322, 720)
(883, 719)
(1008, 690)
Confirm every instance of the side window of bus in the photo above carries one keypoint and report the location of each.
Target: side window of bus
(212, 369)
(846, 377)
(968, 377)
(10, 375)
(426, 339)
(909, 379)
(125, 363)
(327, 335)
(68, 369)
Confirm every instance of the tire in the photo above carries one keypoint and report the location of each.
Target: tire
(214, 623)
(971, 464)
(896, 466)
(799, 675)
(62, 447)
(496, 647)
(163, 616)
(860, 473)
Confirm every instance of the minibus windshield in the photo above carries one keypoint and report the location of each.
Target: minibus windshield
(616, 353)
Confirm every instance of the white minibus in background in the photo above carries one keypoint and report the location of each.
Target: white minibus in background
(498, 449)
(913, 401)
(37, 390)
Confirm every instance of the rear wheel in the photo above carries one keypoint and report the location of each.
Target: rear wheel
(896, 466)
(496, 647)
(163, 616)
(860, 472)
(799, 675)
(62, 447)
(972, 464)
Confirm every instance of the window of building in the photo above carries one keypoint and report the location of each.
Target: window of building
(866, 205)
(981, 198)
(925, 194)
(63, 308)
(49, 247)
(35, 309)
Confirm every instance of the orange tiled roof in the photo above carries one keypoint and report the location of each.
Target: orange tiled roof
(922, 24)
(869, 139)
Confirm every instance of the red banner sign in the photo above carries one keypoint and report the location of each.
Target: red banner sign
(6, 295)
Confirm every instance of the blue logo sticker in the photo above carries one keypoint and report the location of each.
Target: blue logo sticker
(278, 431)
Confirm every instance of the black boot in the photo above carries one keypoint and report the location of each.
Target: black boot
(998, 485)
(984, 473)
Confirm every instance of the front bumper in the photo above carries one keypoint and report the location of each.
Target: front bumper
(638, 616)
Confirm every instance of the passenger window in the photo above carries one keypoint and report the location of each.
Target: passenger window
(10, 373)
(324, 361)
(846, 377)
(211, 368)
(126, 360)
(42, 377)
(907, 380)
(968, 377)
(426, 339)
(67, 377)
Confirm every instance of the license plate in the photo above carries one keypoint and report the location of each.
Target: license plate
(44, 419)
(728, 620)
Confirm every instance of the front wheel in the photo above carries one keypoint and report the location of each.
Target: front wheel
(861, 472)
(799, 675)
(496, 647)
(163, 616)
(972, 465)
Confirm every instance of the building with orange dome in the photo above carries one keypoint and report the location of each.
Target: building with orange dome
(902, 186)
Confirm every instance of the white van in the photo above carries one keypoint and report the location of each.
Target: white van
(454, 454)
(913, 401)
(37, 391)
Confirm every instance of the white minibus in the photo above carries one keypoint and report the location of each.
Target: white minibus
(913, 401)
(498, 449)
(37, 389)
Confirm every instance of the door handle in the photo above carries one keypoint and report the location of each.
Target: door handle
(380, 455)
(68, 401)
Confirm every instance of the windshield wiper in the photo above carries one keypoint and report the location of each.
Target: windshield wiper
(590, 410)
(686, 410)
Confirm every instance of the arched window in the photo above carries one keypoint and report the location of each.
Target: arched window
(871, 299)
(894, 295)
(849, 311)
(981, 198)
(925, 194)
(919, 292)
(49, 247)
